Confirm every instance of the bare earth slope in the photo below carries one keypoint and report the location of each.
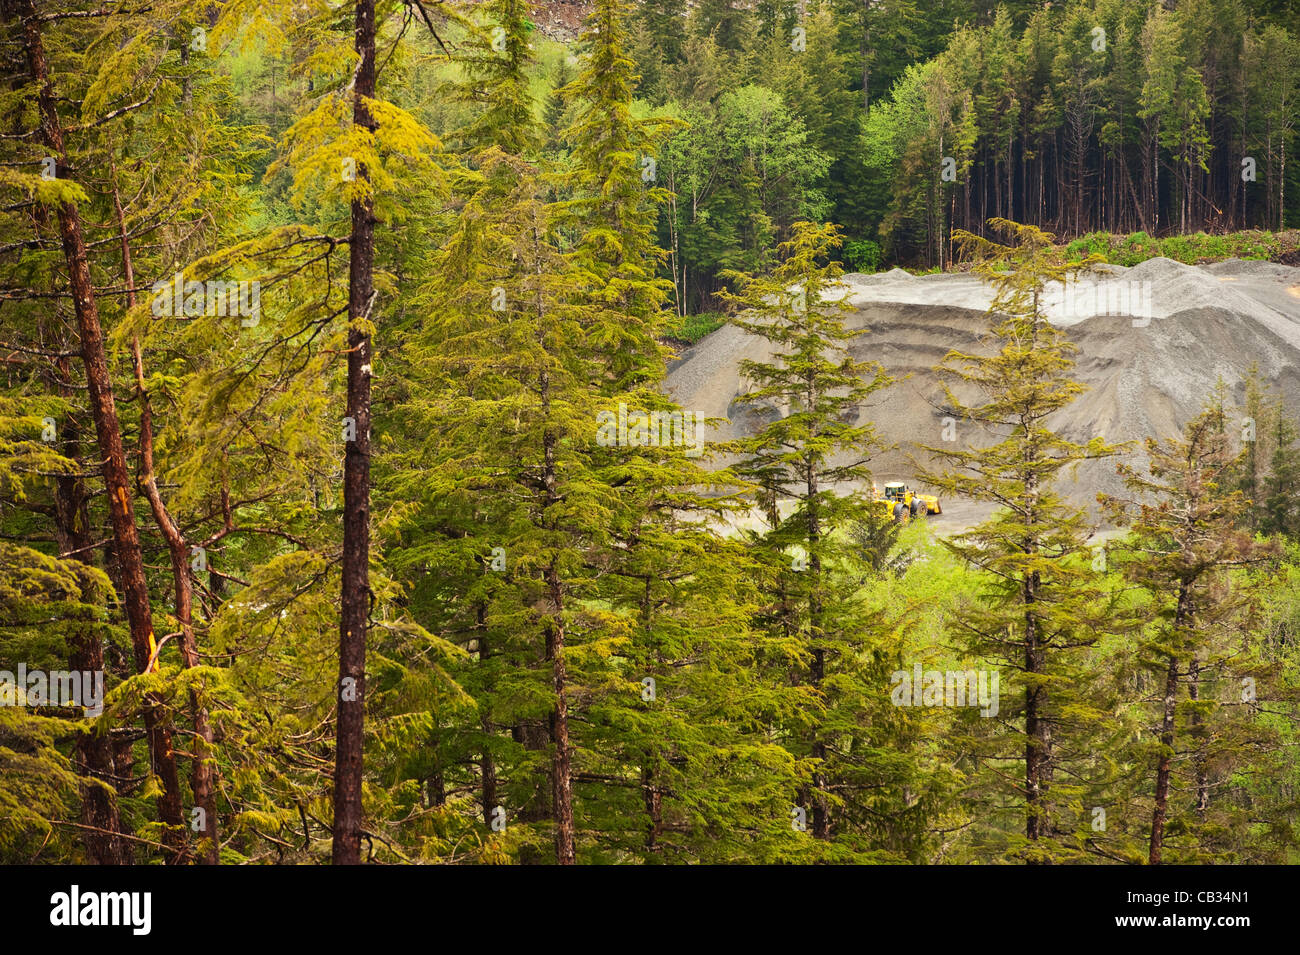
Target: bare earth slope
(1147, 375)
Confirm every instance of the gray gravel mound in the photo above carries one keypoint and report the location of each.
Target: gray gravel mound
(1254, 268)
(1146, 377)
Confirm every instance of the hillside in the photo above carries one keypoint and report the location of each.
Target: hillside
(1146, 377)
(354, 507)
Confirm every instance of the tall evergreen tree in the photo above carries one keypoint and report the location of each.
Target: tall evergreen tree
(813, 458)
(1184, 545)
(134, 584)
(1040, 612)
(1282, 486)
(611, 177)
(496, 60)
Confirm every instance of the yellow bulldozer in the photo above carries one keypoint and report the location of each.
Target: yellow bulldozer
(902, 504)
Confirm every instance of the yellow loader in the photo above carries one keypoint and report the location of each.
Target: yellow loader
(902, 504)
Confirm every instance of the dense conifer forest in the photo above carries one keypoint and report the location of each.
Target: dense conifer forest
(346, 515)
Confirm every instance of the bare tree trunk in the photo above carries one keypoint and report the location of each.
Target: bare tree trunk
(1042, 199)
(1161, 811)
(821, 807)
(652, 796)
(1038, 741)
(355, 598)
(553, 622)
(92, 754)
(1011, 174)
(534, 736)
(437, 789)
(674, 250)
(135, 590)
(201, 775)
(1281, 190)
(1200, 760)
(1155, 177)
(939, 205)
(487, 767)
(489, 773)
(178, 550)
(1138, 204)
(1160, 814)
(561, 767)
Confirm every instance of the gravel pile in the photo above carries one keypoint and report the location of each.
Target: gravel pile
(1148, 373)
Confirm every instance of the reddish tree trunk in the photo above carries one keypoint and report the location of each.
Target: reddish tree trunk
(135, 591)
(201, 775)
(1160, 813)
(561, 768)
(92, 755)
(1038, 740)
(652, 796)
(487, 767)
(821, 807)
(355, 597)
(178, 548)
(92, 752)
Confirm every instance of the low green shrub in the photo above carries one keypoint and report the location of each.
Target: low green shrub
(862, 255)
(691, 328)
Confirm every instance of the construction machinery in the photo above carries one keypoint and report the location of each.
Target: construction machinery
(902, 504)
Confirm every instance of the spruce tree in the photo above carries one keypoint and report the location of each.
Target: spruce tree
(1182, 551)
(1041, 609)
(1282, 486)
(496, 61)
(611, 179)
(814, 457)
